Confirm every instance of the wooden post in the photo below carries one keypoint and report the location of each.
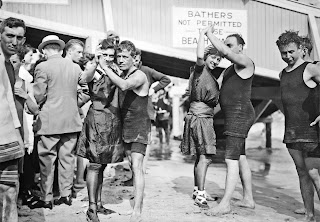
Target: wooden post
(175, 116)
(268, 134)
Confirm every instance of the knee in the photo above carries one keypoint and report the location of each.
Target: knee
(94, 167)
(137, 164)
(206, 160)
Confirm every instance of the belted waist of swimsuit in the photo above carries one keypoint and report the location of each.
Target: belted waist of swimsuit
(200, 109)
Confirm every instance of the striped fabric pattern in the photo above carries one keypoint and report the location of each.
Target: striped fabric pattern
(9, 172)
(10, 151)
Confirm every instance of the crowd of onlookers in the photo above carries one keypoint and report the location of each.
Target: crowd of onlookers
(44, 129)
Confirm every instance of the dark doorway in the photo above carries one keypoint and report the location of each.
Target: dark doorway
(35, 36)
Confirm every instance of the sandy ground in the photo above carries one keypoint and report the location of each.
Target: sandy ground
(169, 184)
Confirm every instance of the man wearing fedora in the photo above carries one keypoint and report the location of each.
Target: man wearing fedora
(55, 90)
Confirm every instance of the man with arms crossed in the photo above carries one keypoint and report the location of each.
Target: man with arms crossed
(300, 99)
(133, 102)
(239, 115)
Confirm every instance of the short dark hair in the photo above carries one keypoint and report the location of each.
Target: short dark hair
(73, 42)
(108, 43)
(129, 46)
(239, 38)
(54, 46)
(211, 50)
(23, 50)
(307, 43)
(12, 23)
(138, 52)
(289, 36)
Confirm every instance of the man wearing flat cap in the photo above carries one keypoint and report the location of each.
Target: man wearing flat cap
(55, 90)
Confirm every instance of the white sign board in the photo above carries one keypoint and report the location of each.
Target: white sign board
(187, 22)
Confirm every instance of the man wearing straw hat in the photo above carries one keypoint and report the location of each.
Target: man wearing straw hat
(55, 90)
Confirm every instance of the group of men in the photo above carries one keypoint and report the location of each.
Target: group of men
(55, 90)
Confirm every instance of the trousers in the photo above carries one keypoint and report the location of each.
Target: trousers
(50, 148)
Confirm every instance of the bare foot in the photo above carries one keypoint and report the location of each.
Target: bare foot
(300, 211)
(245, 203)
(210, 198)
(310, 219)
(218, 211)
(135, 217)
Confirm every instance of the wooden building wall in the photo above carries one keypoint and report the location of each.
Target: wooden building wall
(151, 21)
(81, 13)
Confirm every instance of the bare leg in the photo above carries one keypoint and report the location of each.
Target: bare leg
(80, 171)
(145, 159)
(232, 177)
(245, 175)
(195, 171)
(130, 181)
(201, 171)
(100, 183)
(138, 175)
(306, 186)
(313, 167)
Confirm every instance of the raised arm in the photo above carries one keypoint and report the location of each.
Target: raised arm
(200, 47)
(236, 58)
(87, 75)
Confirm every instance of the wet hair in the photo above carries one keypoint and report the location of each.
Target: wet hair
(54, 46)
(85, 59)
(211, 50)
(73, 42)
(289, 37)
(12, 23)
(129, 46)
(108, 43)
(239, 38)
(306, 43)
(138, 52)
(113, 36)
(23, 50)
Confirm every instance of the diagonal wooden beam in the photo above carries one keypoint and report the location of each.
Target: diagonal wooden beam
(259, 109)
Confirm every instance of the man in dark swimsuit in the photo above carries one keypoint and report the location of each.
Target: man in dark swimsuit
(314, 157)
(239, 116)
(133, 102)
(298, 82)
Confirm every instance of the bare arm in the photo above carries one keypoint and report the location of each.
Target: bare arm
(87, 74)
(200, 48)
(239, 59)
(314, 72)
